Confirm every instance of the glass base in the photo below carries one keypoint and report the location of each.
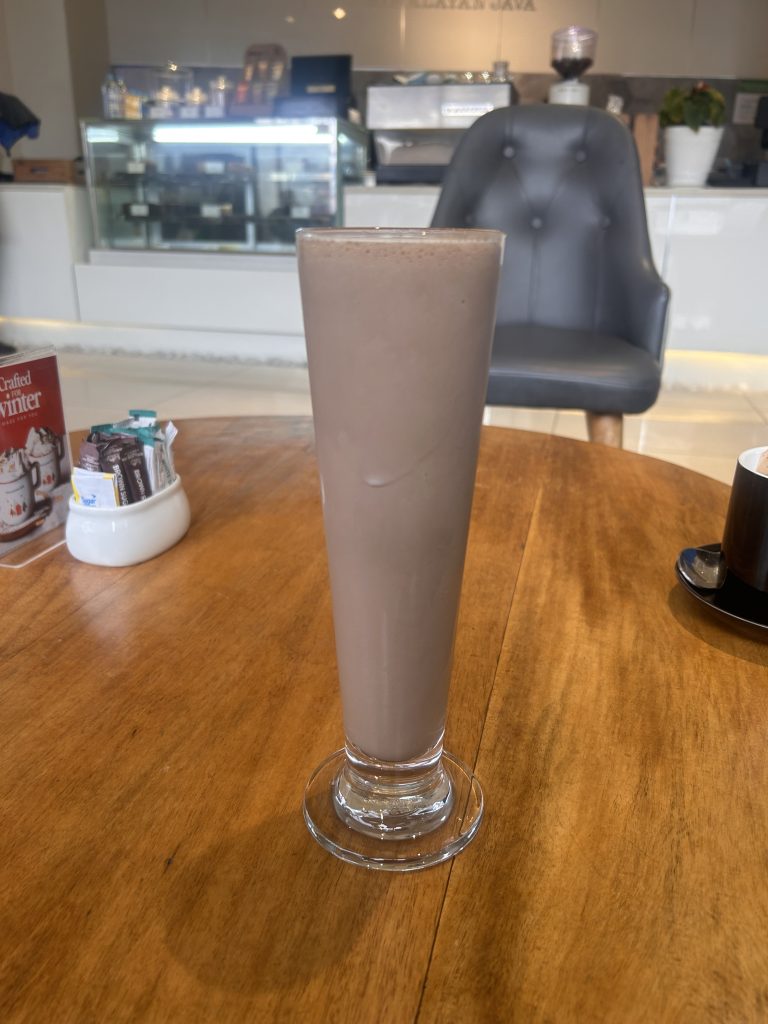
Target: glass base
(392, 826)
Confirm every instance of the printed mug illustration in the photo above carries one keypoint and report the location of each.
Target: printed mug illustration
(19, 479)
(46, 448)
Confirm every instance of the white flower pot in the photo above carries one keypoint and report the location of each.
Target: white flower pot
(690, 154)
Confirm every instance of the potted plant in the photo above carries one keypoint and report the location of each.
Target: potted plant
(692, 120)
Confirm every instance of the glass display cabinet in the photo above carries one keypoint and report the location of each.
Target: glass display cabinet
(232, 186)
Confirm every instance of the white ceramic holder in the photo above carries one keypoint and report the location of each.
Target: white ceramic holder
(131, 533)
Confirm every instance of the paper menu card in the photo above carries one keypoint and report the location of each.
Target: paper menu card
(35, 458)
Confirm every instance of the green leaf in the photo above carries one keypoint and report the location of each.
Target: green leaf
(695, 107)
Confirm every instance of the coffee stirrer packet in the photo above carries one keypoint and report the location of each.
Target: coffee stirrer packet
(158, 457)
(92, 460)
(135, 452)
(121, 454)
(127, 452)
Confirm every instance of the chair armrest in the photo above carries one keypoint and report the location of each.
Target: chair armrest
(647, 308)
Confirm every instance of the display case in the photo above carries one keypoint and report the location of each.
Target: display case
(234, 186)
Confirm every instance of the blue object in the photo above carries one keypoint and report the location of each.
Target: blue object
(16, 121)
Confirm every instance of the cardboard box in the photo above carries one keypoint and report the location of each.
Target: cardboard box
(50, 172)
(646, 132)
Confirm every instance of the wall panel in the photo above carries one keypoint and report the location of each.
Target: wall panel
(643, 37)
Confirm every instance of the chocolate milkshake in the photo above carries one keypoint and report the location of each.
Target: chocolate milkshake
(398, 326)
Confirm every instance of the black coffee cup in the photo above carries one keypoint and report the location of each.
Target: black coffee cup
(745, 541)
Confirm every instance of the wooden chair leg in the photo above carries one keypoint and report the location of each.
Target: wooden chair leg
(606, 429)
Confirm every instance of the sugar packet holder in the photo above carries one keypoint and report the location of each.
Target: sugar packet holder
(128, 534)
(141, 509)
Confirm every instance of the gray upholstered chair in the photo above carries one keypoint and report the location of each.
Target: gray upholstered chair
(581, 310)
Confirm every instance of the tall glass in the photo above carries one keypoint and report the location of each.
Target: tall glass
(399, 326)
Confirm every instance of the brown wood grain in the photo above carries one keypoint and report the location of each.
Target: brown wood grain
(622, 873)
(158, 726)
(158, 723)
(605, 429)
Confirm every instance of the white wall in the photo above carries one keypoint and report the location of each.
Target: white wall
(5, 78)
(53, 53)
(38, 58)
(696, 38)
(5, 70)
(88, 53)
(53, 56)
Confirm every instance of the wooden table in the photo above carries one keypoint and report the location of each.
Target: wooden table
(158, 723)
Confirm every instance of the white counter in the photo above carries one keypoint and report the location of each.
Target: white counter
(45, 230)
(711, 245)
(56, 290)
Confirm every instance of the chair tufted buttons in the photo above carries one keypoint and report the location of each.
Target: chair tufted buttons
(468, 220)
(537, 223)
(581, 156)
(508, 151)
(605, 222)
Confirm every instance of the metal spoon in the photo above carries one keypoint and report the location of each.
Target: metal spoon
(704, 568)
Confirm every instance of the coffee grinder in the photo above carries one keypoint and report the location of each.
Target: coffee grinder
(573, 53)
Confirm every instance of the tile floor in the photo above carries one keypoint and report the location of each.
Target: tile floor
(703, 430)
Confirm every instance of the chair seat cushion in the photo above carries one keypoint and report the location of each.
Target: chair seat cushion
(556, 368)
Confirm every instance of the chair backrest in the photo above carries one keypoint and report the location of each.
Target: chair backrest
(564, 184)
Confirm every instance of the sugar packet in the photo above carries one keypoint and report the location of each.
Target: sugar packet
(94, 489)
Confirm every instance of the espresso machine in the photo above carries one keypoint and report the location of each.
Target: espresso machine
(573, 53)
(416, 128)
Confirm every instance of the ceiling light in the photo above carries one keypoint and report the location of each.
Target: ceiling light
(339, 13)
